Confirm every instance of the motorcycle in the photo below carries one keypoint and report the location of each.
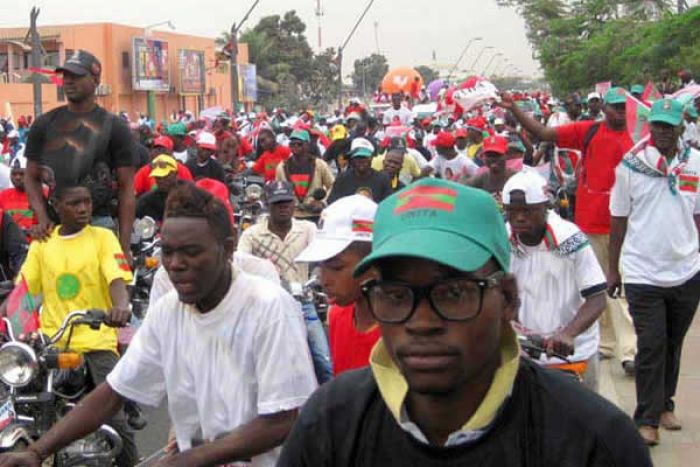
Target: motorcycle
(43, 383)
(311, 292)
(145, 249)
(534, 347)
(246, 196)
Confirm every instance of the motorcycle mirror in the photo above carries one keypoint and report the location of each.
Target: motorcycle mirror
(319, 194)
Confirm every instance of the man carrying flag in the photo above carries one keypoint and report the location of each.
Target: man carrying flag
(79, 267)
(655, 206)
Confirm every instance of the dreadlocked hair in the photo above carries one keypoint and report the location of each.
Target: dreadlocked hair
(187, 200)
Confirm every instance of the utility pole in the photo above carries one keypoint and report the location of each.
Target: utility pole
(340, 53)
(233, 41)
(36, 60)
(682, 6)
(319, 18)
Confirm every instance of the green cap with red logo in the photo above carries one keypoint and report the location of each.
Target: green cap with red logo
(442, 221)
(616, 95)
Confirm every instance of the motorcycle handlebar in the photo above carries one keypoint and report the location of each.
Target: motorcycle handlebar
(92, 318)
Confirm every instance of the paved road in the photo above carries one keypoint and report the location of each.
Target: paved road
(677, 449)
(155, 435)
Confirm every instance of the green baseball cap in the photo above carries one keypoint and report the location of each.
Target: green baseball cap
(441, 221)
(176, 129)
(301, 135)
(637, 89)
(691, 110)
(616, 95)
(667, 111)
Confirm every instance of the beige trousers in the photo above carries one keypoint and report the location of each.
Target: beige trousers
(617, 336)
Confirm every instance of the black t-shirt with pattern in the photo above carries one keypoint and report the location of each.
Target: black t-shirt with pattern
(83, 148)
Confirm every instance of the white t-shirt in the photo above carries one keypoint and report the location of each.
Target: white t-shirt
(661, 243)
(552, 287)
(181, 156)
(405, 116)
(5, 176)
(245, 358)
(455, 168)
(690, 135)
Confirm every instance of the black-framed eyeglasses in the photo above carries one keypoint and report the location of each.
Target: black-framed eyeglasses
(457, 299)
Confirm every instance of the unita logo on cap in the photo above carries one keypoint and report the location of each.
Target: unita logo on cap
(426, 197)
(667, 105)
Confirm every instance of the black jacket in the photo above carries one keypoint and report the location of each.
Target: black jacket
(13, 248)
(549, 420)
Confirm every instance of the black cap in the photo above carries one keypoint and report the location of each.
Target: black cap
(81, 63)
(279, 191)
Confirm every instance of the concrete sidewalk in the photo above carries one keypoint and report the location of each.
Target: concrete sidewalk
(676, 449)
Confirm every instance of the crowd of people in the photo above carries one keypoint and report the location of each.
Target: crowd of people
(443, 244)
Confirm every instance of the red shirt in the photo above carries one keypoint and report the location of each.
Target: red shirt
(597, 172)
(143, 182)
(16, 204)
(350, 348)
(268, 161)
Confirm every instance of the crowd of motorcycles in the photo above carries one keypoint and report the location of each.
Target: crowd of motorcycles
(41, 381)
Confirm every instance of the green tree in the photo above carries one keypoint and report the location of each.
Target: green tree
(368, 73)
(427, 73)
(289, 74)
(581, 42)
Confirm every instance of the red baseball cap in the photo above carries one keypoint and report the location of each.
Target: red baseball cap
(163, 142)
(461, 133)
(445, 139)
(497, 144)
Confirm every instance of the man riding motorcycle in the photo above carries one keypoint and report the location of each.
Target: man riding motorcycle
(82, 267)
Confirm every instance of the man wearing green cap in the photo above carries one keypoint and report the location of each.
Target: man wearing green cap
(446, 385)
(602, 145)
(656, 212)
(637, 91)
(177, 132)
(307, 174)
(361, 178)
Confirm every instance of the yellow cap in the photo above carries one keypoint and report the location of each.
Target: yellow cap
(163, 165)
(339, 132)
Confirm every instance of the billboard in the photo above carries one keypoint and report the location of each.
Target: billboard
(247, 82)
(191, 68)
(151, 71)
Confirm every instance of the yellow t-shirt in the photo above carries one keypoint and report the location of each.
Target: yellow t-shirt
(409, 168)
(473, 150)
(73, 273)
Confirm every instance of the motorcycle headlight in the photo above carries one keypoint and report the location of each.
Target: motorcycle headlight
(18, 364)
(253, 192)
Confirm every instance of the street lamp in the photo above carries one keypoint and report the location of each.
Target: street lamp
(500, 67)
(147, 30)
(483, 49)
(461, 56)
(342, 48)
(151, 95)
(499, 54)
(234, 58)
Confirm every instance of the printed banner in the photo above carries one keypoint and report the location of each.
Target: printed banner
(192, 74)
(151, 70)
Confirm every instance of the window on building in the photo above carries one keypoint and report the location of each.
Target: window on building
(125, 60)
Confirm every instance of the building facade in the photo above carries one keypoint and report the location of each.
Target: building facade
(187, 71)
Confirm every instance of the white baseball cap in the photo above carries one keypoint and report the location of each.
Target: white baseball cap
(529, 182)
(206, 140)
(594, 95)
(348, 220)
(361, 147)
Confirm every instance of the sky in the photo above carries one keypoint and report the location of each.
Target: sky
(407, 31)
